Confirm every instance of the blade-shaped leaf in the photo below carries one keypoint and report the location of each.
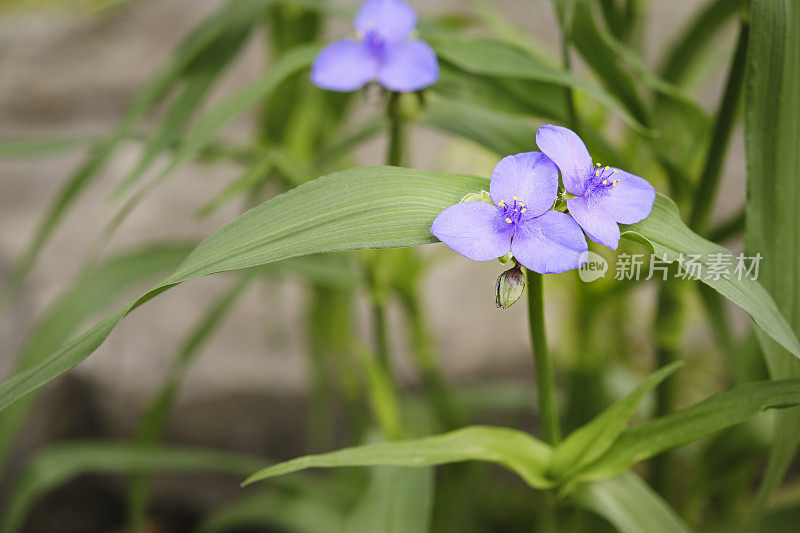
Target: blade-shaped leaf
(682, 427)
(489, 57)
(772, 149)
(58, 465)
(629, 504)
(668, 237)
(296, 513)
(396, 500)
(513, 449)
(589, 442)
(378, 207)
(90, 295)
(191, 48)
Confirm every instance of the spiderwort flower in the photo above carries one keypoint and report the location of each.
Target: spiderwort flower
(523, 188)
(383, 51)
(602, 196)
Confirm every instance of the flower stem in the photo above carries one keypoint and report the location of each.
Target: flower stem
(545, 380)
(394, 155)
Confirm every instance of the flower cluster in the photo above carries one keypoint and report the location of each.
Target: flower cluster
(521, 218)
(382, 51)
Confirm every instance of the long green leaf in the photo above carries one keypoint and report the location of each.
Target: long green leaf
(489, 57)
(32, 148)
(379, 207)
(629, 504)
(58, 465)
(95, 292)
(513, 449)
(200, 79)
(397, 500)
(373, 207)
(772, 148)
(682, 427)
(589, 442)
(665, 233)
(295, 513)
(191, 48)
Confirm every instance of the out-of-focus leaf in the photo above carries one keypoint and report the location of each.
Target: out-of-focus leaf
(513, 96)
(664, 232)
(157, 413)
(489, 57)
(695, 38)
(397, 500)
(589, 442)
(200, 79)
(33, 148)
(374, 207)
(97, 290)
(772, 148)
(295, 513)
(687, 425)
(255, 174)
(510, 448)
(629, 504)
(596, 48)
(188, 52)
(501, 133)
(213, 121)
(59, 464)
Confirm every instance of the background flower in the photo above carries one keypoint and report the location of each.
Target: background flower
(383, 51)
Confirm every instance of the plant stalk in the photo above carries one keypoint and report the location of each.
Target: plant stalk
(545, 380)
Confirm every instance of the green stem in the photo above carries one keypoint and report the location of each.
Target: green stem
(394, 155)
(545, 380)
(571, 114)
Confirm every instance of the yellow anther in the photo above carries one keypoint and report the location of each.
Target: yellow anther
(515, 198)
(521, 204)
(508, 220)
(605, 168)
(605, 182)
(596, 172)
(616, 171)
(502, 204)
(614, 182)
(598, 164)
(523, 210)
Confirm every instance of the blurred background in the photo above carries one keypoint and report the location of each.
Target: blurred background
(68, 70)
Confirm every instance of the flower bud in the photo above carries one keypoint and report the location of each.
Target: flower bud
(509, 288)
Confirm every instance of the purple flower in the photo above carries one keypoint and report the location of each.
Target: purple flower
(602, 196)
(383, 51)
(523, 188)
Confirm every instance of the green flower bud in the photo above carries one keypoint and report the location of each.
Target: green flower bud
(509, 288)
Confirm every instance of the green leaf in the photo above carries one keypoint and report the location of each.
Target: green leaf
(212, 122)
(200, 79)
(665, 233)
(487, 57)
(57, 465)
(699, 33)
(189, 51)
(596, 46)
(378, 207)
(93, 293)
(589, 442)
(682, 427)
(295, 513)
(629, 504)
(510, 448)
(31, 148)
(499, 132)
(396, 500)
(772, 149)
